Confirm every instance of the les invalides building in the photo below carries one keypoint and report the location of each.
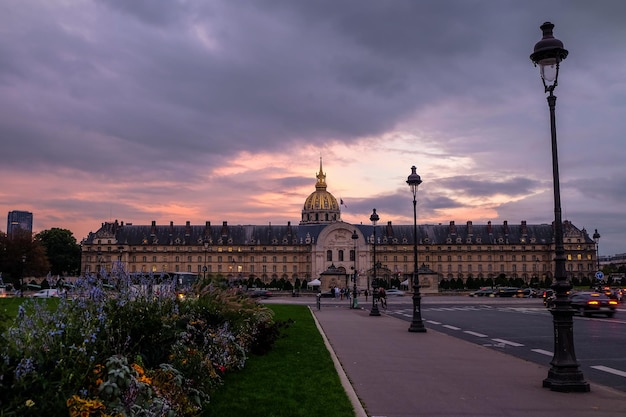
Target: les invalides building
(324, 247)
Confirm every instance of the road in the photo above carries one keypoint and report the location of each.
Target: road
(524, 328)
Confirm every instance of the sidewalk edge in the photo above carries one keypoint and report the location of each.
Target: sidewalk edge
(343, 377)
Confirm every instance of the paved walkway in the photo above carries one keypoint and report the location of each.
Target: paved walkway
(391, 372)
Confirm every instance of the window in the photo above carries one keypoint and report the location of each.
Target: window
(340, 255)
(329, 255)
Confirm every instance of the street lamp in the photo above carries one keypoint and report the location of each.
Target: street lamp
(374, 311)
(204, 269)
(564, 375)
(417, 324)
(22, 275)
(354, 275)
(596, 238)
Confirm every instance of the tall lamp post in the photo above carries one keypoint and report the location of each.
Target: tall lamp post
(374, 311)
(22, 272)
(596, 238)
(417, 324)
(564, 375)
(204, 269)
(354, 275)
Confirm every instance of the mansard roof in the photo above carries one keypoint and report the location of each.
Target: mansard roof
(225, 234)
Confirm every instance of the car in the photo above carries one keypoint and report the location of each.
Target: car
(588, 303)
(507, 292)
(259, 293)
(326, 294)
(548, 297)
(526, 293)
(483, 292)
(48, 293)
(393, 292)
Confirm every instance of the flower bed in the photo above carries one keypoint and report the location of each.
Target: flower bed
(128, 351)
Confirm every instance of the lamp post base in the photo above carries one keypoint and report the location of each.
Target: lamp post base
(564, 375)
(561, 381)
(374, 311)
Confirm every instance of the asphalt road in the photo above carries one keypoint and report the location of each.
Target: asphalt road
(524, 328)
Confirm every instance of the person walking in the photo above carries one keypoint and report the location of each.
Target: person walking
(382, 297)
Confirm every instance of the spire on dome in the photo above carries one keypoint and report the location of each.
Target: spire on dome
(321, 178)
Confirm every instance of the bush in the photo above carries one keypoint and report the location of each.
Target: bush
(140, 350)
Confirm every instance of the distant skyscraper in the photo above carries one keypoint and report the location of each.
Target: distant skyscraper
(19, 220)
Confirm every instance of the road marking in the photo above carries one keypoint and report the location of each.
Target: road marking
(610, 370)
(433, 322)
(451, 327)
(474, 333)
(507, 342)
(543, 352)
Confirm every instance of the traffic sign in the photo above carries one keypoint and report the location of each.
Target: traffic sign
(599, 275)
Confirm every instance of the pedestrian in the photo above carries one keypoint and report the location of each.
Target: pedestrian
(382, 296)
(366, 293)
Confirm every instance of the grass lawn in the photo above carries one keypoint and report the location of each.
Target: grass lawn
(296, 378)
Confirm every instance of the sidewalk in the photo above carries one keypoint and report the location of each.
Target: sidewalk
(395, 373)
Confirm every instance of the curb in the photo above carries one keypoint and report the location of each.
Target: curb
(354, 399)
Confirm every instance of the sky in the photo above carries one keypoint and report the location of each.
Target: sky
(195, 110)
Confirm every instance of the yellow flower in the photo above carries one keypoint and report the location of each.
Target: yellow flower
(138, 369)
(30, 403)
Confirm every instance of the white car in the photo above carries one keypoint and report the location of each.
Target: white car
(393, 292)
(48, 293)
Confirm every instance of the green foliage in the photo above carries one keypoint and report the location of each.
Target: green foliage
(62, 251)
(130, 352)
(21, 257)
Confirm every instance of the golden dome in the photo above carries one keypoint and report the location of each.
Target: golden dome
(320, 206)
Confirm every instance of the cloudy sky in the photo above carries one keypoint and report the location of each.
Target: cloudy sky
(176, 110)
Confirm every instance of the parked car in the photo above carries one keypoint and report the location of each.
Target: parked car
(48, 293)
(259, 293)
(483, 292)
(393, 292)
(588, 303)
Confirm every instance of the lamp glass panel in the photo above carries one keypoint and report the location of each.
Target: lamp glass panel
(548, 68)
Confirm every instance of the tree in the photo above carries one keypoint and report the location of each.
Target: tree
(62, 250)
(20, 257)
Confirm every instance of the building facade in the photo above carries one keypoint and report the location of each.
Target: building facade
(323, 242)
(19, 221)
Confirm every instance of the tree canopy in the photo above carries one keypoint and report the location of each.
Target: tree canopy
(62, 251)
